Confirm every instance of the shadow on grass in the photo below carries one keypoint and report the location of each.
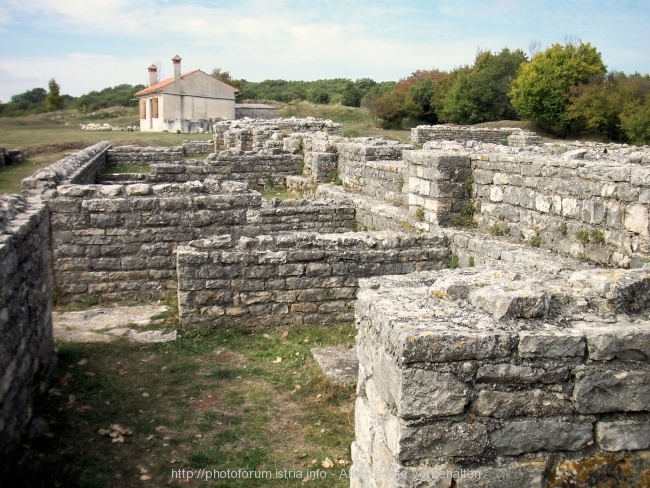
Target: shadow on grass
(216, 399)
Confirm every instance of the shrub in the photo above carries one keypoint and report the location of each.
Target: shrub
(535, 241)
(453, 264)
(471, 261)
(419, 214)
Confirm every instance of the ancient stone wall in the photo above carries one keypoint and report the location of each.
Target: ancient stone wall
(438, 186)
(259, 170)
(143, 156)
(191, 148)
(507, 376)
(119, 241)
(297, 278)
(522, 138)
(79, 168)
(250, 134)
(374, 167)
(581, 202)
(26, 343)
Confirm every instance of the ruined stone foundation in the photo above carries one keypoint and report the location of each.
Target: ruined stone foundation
(503, 378)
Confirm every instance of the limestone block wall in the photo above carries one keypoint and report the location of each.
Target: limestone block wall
(260, 170)
(143, 156)
(320, 156)
(507, 376)
(298, 278)
(581, 203)
(321, 215)
(26, 343)
(374, 167)
(120, 241)
(198, 147)
(79, 168)
(424, 133)
(438, 186)
(230, 134)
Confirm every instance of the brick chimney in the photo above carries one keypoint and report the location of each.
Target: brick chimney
(177, 67)
(153, 74)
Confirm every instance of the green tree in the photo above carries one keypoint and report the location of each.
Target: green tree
(598, 107)
(393, 107)
(319, 96)
(541, 90)
(351, 95)
(636, 122)
(480, 93)
(422, 93)
(54, 100)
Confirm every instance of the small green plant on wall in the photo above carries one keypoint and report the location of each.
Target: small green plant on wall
(535, 241)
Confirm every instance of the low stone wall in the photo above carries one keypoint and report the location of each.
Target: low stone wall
(79, 168)
(374, 167)
(119, 241)
(191, 148)
(508, 377)
(10, 157)
(255, 111)
(581, 203)
(438, 186)
(424, 133)
(143, 156)
(323, 215)
(250, 134)
(297, 278)
(26, 344)
(260, 170)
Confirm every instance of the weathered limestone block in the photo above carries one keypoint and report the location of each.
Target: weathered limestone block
(550, 342)
(512, 300)
(513, 374)
(598, 391)
(530, 436)
(417, 392)
(627, 341)
(623, 435)
(536, 403)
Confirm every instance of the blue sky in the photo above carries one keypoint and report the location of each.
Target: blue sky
(89, 45)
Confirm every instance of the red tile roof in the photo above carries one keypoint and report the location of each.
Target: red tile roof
(164, 83)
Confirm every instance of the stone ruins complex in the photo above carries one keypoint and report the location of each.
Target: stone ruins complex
(499, 284)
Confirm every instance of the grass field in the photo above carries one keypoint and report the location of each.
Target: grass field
(215, 399)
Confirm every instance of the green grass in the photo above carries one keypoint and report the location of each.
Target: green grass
(357, 122)
(213, 399)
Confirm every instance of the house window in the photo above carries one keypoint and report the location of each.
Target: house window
(154, 108)
(143, 109)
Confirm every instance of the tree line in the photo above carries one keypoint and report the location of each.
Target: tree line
(39, 100)
(565, 89)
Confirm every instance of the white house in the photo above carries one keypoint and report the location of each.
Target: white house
(187, 102)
